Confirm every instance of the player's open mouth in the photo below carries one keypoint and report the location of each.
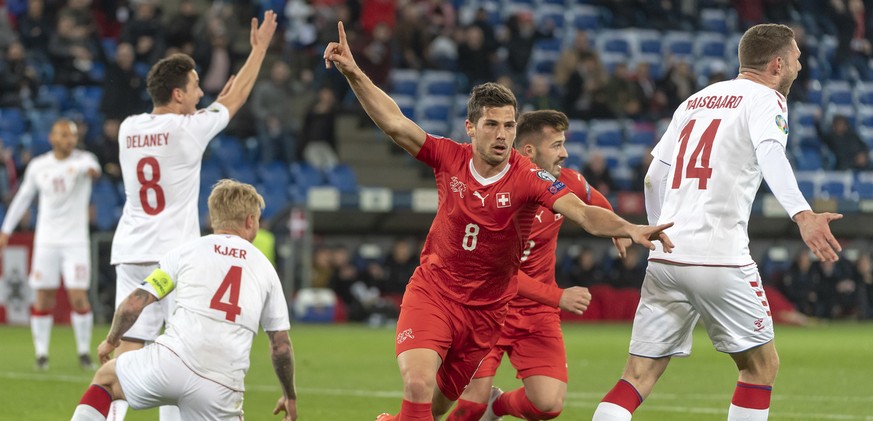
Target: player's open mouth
(500, 148)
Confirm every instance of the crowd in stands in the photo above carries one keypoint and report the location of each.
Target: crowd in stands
(368, 280)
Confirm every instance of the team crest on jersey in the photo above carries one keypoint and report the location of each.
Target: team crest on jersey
(403, 336)
(782, 123)
(546, 176)
(503, 200)
(458, 186)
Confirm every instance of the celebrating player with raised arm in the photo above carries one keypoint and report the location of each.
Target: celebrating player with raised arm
(706, 171)
(225, 287)
(456, 300)
(160, 155)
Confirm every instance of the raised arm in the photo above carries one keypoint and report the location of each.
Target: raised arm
(282, 355)
(238, 88)
(604, 223)
(124, 318)
(378, 105)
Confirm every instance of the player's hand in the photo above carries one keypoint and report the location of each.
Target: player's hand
(288, 406)
(4, 240)
(339, 54)
(227, 85)
(645, 234)
(816, 233)
(260, 36)
(93, 173)
(621, 244)
(104, 351)
(575, 300)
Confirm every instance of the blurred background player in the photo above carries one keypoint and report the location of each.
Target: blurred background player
(455, 303)
(160, 157)
(225, 288)
(61, 247)
(707, 169)
(531, 335)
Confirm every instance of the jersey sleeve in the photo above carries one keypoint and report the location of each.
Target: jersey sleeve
(274, 317)
(158, 283)
(89, 162)
(26, 192)
(579, 185)
(768, 119)
(544, 187)
(206, 123)
(438, 149)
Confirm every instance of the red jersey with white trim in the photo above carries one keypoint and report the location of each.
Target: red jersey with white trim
(160, 157)
(714, 172)
(538, 259)
(473, 250)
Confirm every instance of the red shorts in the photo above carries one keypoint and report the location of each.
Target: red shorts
(534, 343)
(461, 335)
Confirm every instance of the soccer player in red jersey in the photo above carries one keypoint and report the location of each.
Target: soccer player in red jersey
(531, 334)
(455, 302)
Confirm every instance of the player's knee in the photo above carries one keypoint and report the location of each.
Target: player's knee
(550, 406)
(106, 378)
(418, 387)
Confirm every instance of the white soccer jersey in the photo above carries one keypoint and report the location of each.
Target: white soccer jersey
(224, 288)
(160, 156)
(64, 188)
(714, 174)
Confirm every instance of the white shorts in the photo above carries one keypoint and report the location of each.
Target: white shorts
(148, 326)
(155, 376)
(51, 262)
(730, 300)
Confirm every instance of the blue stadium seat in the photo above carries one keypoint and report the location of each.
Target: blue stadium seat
(406, 104)
(273, 174)
(611, 60)
(404, 81)
(804, 114)
(715, 20)
(864, 116)
(863, 94)
(434, 108)
(110, 47)
(343, 178)
(10, 140)
(228, 150)
(835, 184)
(655, 62)
(56, 96)
(306, 176)
(87, 97)
(461, 105)
(39, 143)
(813, 92)
(605, 133)
(578, 132)
(437, 82)
(436, 127)
(863, 185)
(548, 44)
(243, 173)
(210, 173)
(106, 191)
(551, 12)
(642, 134)
(680, 44)
(808, 159)
(710, 45)
(648, 41)
(12, 120)
(837, 92)
(806, 183)
(614, 41)
(586, 17)
(107, 212)
(543, 62)
(274, 200)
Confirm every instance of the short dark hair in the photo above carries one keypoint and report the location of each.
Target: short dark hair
(762, 43)
(488, 94)
(531, 124)
(168, 74)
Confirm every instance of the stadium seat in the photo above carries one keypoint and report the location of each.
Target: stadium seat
(813, 92)
(611, 60)
(864, 116)
(243, 173)
(605, 133)
(578, 132)
(543, 62)
(228, 150)
(343, 178)
(863, 185)
(434, 108)
(437, 82)
(614, 41)
(806, 182)
(39, 143)
(586, 17)
(273, 174)
(406, 104)
(274, 200)
(863, 94)
(655, 62)
(808, 159)
(836, 109)
(404, 81)
(835, 184)
(837, 92)
(642, 134)
(679, 44)
(306, 176)
(460, 109)
(554, 13)
(435, 127)
(804, 114)
(715, 20)
(87, 97)
(56, 96)
(710, 45)
(548, 44)
(12, 121)
(648, 41)
(107, 212)
(110, 47)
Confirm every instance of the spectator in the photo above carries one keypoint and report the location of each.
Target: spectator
(638, 181)
(318, 137)
(180, 27)
(374, 53)
(145, 32)
(8, 174)
(35, 27)
(19, 80)
(412, 39)
(625, 98)
(398, 268)
(583, 271)
(800, 283)
(322, 268)
(106, 149)
(853, 44)
(570, 59)
(271, 101)
(850, 151)
(864, 271)
(217, 65)
(598, 173)
(677, 85)
(645, 86)
(523, 33)
(72, 53)
(628, 271)
(584, 94)
(539, 95)
(123, 88)
(475, 61)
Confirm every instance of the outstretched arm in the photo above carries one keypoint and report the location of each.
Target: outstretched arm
(573, 299)
(378, 105)
(604, 223)
(238, 87)
(282, 355)
(124, 318)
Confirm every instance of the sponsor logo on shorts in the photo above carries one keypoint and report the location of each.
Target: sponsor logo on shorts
(759, 324)
(403, 336)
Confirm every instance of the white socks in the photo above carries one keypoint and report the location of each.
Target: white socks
(87, 413)
(169, 413)
(738, 413)
(607, 411)
(117, 410)
(41, 329)
(83, 324)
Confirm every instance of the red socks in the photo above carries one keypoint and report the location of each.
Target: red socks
(97, 398)
(624, 395)
(752, 396)
(412, 411)
(467, 411)
(517, 404)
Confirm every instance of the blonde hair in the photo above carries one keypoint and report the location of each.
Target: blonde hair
(231, 202)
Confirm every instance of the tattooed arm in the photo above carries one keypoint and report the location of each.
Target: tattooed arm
(124, 318)
(282, 354)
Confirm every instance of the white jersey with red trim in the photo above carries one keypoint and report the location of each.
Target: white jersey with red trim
(714, 175)
(160, 157)
(64, 189)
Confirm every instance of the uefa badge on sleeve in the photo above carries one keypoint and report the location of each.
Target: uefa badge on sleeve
(782, 123)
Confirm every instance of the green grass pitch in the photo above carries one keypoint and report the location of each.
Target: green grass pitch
(347, 372)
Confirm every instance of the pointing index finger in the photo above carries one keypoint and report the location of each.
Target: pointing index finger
(342, 34)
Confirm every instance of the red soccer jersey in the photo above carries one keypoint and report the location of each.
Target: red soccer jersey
(538, 259)
(473, 250)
